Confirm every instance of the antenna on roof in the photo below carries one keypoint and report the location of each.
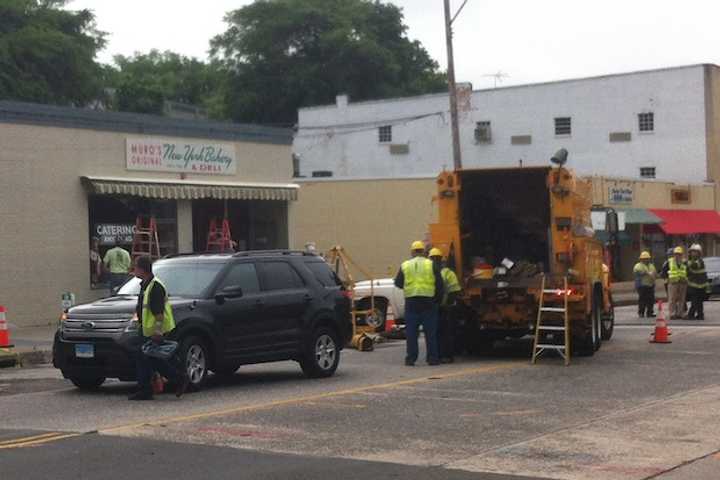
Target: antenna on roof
(497, 76)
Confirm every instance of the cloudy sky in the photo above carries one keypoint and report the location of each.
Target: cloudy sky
(528, 40)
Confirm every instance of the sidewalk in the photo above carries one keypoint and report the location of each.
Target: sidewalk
(33, 345)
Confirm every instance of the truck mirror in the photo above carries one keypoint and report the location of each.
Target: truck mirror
(611, 223)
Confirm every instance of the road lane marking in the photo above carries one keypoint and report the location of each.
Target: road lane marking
(314, 398)
(35, 440)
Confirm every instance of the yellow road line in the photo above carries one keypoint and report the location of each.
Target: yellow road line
(312, 398)
(33, 441)
(26, 439)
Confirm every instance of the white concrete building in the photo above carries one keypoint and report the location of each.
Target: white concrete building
(661, 124)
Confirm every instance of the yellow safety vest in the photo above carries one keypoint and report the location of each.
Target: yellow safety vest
(148, 319)
(697, 276)
(646, 273)
(419, 277)
(677, 273)
(450, 282)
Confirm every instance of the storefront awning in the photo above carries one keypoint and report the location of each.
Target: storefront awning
(639, 216)
(189, 190)
(685, 222)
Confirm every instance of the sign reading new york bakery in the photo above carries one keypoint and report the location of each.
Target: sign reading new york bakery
(160, 155)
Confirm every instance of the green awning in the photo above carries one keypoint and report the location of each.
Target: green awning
(190, 190)
(640, 215)
(623, 237)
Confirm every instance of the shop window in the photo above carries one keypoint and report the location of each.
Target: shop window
(112, 220)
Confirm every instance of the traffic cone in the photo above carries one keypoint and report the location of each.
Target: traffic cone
(661, 329)
(389, 319)
(4, 332)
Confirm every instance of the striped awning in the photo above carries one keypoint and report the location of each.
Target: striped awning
(189, 190)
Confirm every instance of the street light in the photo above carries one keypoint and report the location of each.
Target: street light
(457, 156)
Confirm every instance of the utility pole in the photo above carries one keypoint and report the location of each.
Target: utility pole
(457, 155)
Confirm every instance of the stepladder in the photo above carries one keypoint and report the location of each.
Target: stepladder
(552, 328)
(145, 238)
(219, 237)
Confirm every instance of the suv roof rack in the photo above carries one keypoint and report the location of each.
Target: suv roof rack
(195, 254)
(259, 253)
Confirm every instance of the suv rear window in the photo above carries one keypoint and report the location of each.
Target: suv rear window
(279, 276)
(324, 274)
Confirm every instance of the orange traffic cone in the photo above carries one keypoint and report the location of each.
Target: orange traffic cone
(661, 329)
(389, 320)
(4, 332)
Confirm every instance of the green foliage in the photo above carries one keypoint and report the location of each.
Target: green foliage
(143, 82)
(284, 54)
(47, 54)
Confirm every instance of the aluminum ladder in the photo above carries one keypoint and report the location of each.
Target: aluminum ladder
(540, 327)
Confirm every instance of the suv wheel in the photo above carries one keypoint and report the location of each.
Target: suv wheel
(87, 383)
(194, 357)
(322, 354)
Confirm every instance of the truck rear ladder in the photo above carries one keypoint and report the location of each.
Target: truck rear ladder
(540, 327)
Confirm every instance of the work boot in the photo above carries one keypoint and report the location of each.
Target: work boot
(651, 315)
(141, 395)
(409, 363)
(447, 360)
(182, 385)
(433, 363)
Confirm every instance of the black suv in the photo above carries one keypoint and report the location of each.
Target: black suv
(230, 310)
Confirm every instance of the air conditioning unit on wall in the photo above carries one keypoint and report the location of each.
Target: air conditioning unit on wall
(483, 132)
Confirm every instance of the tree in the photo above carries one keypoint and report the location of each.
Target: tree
(47, 54)
(286, 54)
(144, 82)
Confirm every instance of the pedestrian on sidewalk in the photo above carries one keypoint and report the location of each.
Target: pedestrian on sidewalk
(422, 286)
(698, 285)
(677, 284)
(447, 325)
(156, 323)
(645, 275)
(118, 262)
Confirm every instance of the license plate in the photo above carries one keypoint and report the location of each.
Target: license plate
(84, 350)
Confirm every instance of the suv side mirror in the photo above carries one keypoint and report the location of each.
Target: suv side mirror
(231, 291)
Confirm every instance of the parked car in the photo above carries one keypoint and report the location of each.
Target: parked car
(712, 267)
(386, 294)
(230, 310)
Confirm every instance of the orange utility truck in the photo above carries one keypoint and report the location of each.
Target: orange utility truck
(522, 243)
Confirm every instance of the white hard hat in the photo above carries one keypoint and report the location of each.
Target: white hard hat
(695, 247)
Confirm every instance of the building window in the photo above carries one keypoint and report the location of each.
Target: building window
(521, 140)
(385, 134)
(563, 126)
(680, 196)
(646, 122)
(647, 172)
(483, 132)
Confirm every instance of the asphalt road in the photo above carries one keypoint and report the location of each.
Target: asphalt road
(633, 411)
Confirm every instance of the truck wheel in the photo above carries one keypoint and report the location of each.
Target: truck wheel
(194, 357)
(377, 318)
(597, 315)
(587, 345)
(608, 324)
(322, 354)
(87, 383)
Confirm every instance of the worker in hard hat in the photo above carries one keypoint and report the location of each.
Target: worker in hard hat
(447, 325)
(677, 283)
(665, 268)
(645, 275)
(421, 281)
(697, 281)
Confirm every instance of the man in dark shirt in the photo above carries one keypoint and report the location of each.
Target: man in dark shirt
(156, 320)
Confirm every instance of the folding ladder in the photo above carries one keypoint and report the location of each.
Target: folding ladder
(219, 238)
(541, 328)
(145, 238)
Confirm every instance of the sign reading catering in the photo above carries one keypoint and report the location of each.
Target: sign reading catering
(172, 156)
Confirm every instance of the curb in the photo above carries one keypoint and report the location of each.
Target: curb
(25, 359)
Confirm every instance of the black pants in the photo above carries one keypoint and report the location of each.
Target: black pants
(146, 366)
(646, 301)
(446, 332)
(696, 297)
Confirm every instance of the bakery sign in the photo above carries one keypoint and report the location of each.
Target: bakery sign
(159, 155)
(620, 195)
